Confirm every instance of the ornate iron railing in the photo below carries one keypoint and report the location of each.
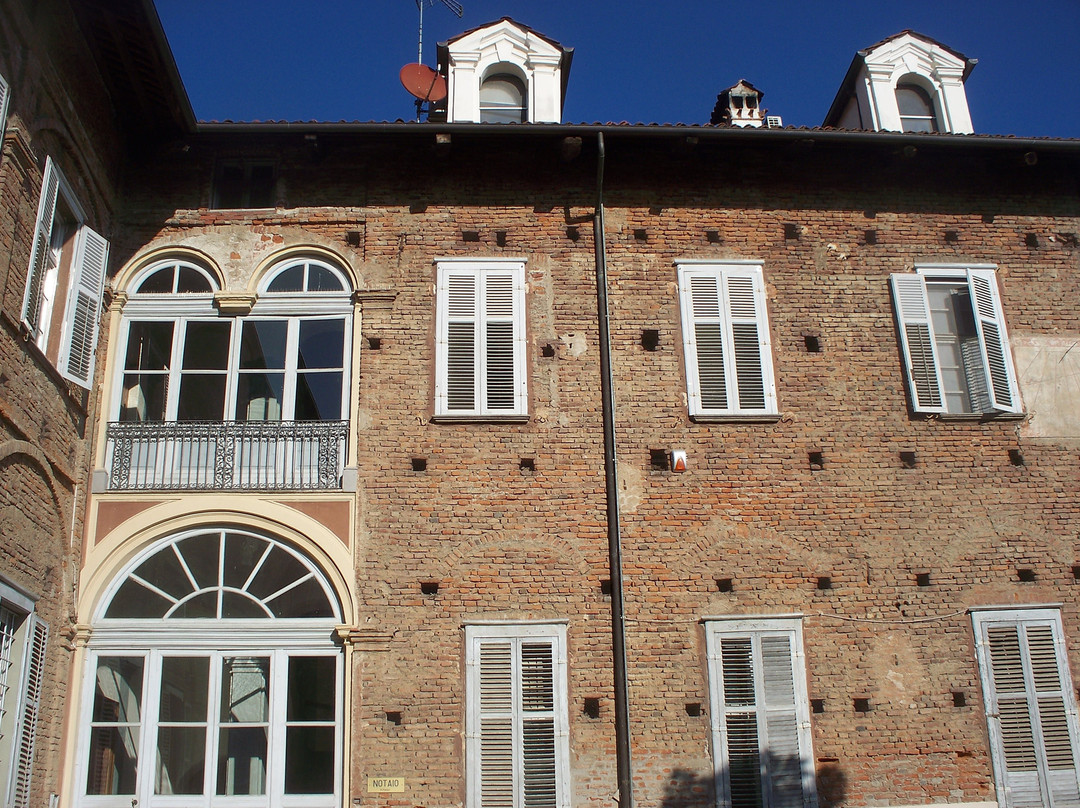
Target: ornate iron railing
(225, 455)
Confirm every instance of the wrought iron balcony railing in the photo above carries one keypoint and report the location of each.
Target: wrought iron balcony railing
(225, 455)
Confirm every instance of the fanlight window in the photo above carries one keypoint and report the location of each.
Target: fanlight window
(175, 277)
(502, 100)
(306, 276)
(222, 574)
(916, 109)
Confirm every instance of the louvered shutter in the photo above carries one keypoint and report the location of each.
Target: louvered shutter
(1030, 710)
(726, 341)
(496, 682)
(31, 707)
(917, 342)
(538, 763)
(459, 296)
(502, 342)
(761, 730)
(31, 308)
(5, 94)
(1002, 389)
(76, 360)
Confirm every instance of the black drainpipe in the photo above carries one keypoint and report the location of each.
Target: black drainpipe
(611, 482)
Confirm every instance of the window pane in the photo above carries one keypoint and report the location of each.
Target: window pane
(149, 346)
(230, 186)
(242, 553)
(164, 571)
(200, 553)
(309, 760)
(144, 397)
(262, 186)
(258, 396)
(181, 760)
(237, 606)
(206, 346)
(262, 344)
(134, 600)
(192, 281)
(202, 397)
(242, 761)
(112, 766)
(312, 688)
(113, 758)
(280, 570)
(321, 344)
(245, 690)
(318, 396)
(183, 689)
(321, 279)
(160, 282)
(306, 600)
(203, 606)
(290, 279)
(912, 101)
(118, 696)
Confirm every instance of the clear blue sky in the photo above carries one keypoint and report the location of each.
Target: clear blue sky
(657, 61)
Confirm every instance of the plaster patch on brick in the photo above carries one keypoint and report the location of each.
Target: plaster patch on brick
(1048, 369)
(631, 487)
(575, 344)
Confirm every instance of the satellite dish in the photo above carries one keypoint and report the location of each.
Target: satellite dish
(423, 82)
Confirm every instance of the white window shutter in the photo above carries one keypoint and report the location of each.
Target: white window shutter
(31, 308)
(496, 705)
(503, 343)
(31, 708)
(750, 339)
(1002, 388)
(83, 311)
(917, 342)
(538, 760)
(5, 95)
(703, 341)
(459, 301)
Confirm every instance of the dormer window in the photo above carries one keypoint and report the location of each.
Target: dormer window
(503, 99)
(916, 109)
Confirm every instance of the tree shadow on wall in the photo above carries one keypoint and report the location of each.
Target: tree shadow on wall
(689, 789)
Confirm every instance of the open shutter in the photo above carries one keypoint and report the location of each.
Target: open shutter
(750, 339)
(1031, 715)
(31, 308)
(917, 342)
(31, 707)
(1003, 391)
(459, 299)
(5, 94)
(501, 342)
(83, 310)
(496, 720)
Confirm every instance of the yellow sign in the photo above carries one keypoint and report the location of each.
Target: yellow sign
(386, 784)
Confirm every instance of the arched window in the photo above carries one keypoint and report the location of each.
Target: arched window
(212, 673)
(175, 277)
(916, 109)
(305, 275)
(503, 99)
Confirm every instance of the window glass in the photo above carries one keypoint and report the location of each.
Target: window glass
(502, 100)
(916, 109)
(115, 725)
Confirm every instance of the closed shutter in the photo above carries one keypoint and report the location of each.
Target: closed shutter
(917, 342)
(501, 338)
(538, 764)
(726, 340)
(1030, 711)
(1003, 391)
(83, 307)
(496, 725)
(35, 672)
(459, 295)
(31, 308)
(761, 730)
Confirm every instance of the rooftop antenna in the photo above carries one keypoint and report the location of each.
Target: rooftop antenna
(453, 5)
(425, 84)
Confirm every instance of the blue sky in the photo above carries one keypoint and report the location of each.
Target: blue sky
(634, 61)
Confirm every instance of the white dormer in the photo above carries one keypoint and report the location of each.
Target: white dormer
(504, 72)
(739, 105)
(906, 83)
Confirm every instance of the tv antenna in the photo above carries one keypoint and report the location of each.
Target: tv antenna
(453, 5)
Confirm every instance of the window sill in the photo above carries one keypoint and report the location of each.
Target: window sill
(751, 418)
(482, 419)
(970, 416)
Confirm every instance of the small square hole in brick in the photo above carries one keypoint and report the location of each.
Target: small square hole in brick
(417, 207)
(573, 233)
(500, 238)
(650, 339)
(922, 579)
(352, 238)
(812, 343)
(470, 235)
(527, 465)
(605, 587)
(374, 343)
(1031, 240)
(817, 461)
(592, 707)
(547, 350)
(429, 588)
(1026, 576)
(791, 232)
(713, 236)
(908, 460)
(725, 585)
(641, 234)
(862, 705)
(870, 237)
(419, 464)
(959, 699)
(1076, 572)
(824, 582)
(952, 236)
(817, 706)
(693, 709)
(1016, 457)
(659, 460)
(393, 717)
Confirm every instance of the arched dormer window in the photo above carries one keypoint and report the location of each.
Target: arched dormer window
(503, 99)
(916, 109)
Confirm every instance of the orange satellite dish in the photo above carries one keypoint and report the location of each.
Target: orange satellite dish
(423, 82)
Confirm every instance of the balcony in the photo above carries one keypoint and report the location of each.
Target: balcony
(225, 455)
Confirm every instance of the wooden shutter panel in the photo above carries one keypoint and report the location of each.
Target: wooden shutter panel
(917, 342)
(83, 309)
(496, 684)
(750, 338)
(499, 342)
(35, 670)
(784, 761)
(1003, 391)
(31, 308)
(538, 764)
(704, 344)
(460, 296)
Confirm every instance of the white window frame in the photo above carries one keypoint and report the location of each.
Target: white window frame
(727, 312)
(918, 346)
(516, 634)
(23, 645)
(79, 305)
(482, 272)
(1021, 786)
(754, 629)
